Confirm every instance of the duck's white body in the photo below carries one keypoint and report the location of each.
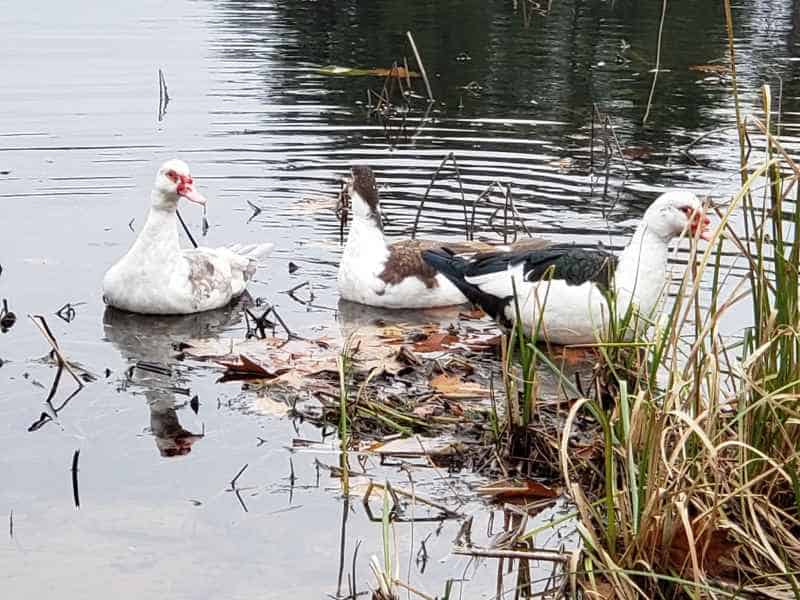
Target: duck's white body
(157, 277)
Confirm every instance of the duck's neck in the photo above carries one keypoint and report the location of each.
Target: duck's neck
(641, 274)
(366, 236)
(158, 238)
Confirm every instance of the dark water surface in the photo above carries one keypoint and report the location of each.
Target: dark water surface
(250, 111)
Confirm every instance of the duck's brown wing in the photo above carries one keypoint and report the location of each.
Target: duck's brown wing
(467, 247)
(405, 257)
(405, 260)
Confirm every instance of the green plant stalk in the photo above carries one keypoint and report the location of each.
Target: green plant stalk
(626, 440)
(341, 363)
(611, 517)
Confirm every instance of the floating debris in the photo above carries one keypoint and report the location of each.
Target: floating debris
(395, 71)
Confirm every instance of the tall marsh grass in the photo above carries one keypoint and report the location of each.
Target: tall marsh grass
(700, 459)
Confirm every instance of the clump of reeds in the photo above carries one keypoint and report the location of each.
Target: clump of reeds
(700, 494)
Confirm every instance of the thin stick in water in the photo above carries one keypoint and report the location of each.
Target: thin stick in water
(75, 495)
(233, 481)
(451, 157)
(163, 95)
(41, 324)
(421, 66)
(658, 61)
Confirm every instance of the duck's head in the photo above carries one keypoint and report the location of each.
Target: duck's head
(362, 192)
(174, 181)
(675, 212)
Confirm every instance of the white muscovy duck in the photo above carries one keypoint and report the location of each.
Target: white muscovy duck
(157, 277)
(561, 289)
(377, 273)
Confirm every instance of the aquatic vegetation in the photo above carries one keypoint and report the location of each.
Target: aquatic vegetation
(695, 488)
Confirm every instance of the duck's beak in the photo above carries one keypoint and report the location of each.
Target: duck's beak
(702, 223)
(186, 190)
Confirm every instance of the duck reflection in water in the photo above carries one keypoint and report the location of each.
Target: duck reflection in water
(149, 344)
(368, 321)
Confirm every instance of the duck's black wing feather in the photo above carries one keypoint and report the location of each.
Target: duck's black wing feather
(486, 278)
(567, 262)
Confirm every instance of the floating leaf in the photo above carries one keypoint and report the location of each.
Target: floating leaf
(436, 342)
(713, 69)
(450, 386)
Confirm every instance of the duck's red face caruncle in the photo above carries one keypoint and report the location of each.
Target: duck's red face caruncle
(698, 221)
(185, 186)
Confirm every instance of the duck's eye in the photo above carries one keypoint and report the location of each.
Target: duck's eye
(687, 210)
(172, 175)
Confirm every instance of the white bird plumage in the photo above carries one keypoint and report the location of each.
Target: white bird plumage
(158, 277)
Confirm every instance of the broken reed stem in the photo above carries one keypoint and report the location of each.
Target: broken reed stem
(41, 324)
(406, 586)
(415, 497)
(343, 441)
(233, 481)
(542, 554)
(740, 126)
(421, 66)
(617, 144)
(451, 156)
(517, 215)
(658, 61)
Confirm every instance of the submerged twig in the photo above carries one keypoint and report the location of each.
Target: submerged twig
(41, 324)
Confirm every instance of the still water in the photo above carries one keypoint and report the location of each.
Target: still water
(262, 126)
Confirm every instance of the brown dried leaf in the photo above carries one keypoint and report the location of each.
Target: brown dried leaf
(246, 368)
(506, 489)
(436, 342)
(714, 543)
(472, 315)
(450, 386)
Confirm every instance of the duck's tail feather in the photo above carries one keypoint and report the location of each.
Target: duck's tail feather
(455, 268)
(244, 260)
(252, 251)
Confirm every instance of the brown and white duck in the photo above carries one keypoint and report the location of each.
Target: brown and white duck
(375, 272)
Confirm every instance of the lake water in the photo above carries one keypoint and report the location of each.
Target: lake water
(261, 124)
